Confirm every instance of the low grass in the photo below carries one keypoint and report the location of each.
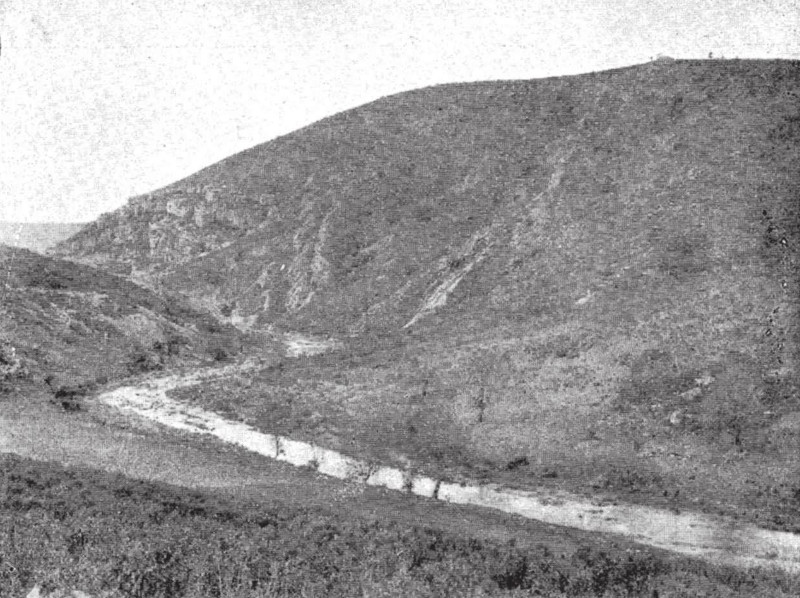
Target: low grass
(110, 535)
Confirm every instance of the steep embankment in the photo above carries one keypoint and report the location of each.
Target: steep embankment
(73, 325)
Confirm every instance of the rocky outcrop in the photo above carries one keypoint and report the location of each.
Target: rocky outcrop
(161, 229)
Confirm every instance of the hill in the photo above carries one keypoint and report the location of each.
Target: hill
(589, 281)
(501, 201)
(71, 326)
(37, 236)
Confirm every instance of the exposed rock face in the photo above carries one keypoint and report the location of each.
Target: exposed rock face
(163, 228)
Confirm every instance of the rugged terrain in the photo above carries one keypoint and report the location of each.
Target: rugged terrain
(586, 283)
(592, 279)
(71, 326)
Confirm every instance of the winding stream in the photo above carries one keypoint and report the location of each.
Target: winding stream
(713, 538)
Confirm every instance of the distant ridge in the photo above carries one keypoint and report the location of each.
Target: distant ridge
(37, 236)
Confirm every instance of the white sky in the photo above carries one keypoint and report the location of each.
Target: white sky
(104, 99)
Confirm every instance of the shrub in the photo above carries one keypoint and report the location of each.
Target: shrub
(10, 365)
(219, 353)
(69, 398)
(145, 361)
(9, 362)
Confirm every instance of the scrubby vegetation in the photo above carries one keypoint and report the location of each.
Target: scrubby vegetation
(83, 326)
(66, 528)
(654, 183)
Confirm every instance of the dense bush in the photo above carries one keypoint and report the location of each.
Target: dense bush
(144, 360)
(70, 398)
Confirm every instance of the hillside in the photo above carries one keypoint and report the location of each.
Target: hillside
(37, 236)
(71, 325)
(589, 281)
(497, 201)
